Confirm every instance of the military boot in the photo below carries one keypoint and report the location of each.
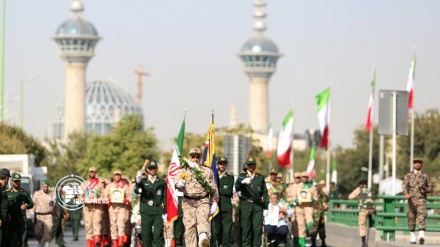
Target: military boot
(313, 238)
(412, 238)
(364, 242)
(323, 242)
(421, 237)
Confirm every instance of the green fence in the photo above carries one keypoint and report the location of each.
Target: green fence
(390, 216)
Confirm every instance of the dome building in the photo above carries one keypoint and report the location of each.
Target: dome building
(106, 103)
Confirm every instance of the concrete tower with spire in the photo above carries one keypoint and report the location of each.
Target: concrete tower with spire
(259, 56)
(76, 39)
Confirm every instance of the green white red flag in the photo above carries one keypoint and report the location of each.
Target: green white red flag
(323, 102)
(285, 139)
(311, 165)
(369, 122)
(410, 85)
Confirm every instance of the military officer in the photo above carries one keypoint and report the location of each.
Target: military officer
(152, 206)
(120, 198)
(19, 200)
(415, 186)
(199, 186)
(59, 215)
(304, 195)
(43, 208)
(366, 208)
(222, 222)
(75, 217)
(93, 209)
(4, 179)
(251, 189)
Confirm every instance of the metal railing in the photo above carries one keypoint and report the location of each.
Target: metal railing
(391, 215)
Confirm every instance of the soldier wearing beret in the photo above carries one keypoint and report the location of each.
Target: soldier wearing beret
(19, 200)
(4, 179)
(152, 192)
(222, 222)
(416, 185)
(251, 189)
(199, 190)
(43, 208)
(304, 195)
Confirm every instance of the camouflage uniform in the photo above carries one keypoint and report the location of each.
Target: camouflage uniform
(196, 203)
(417, 203)
(366, 207)
(118, 212)
(43, 208)
(93, 209)
(319, 208)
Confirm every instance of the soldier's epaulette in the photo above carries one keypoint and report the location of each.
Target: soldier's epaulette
(8, 190)
(24, 190)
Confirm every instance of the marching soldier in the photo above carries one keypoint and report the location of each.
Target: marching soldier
(75, 217)
(275, 186)
(290, 198)
(19, 200)
(92, 210)
(366, 207)
(304, 195)
(199, 186)
(43, 208)
(222, 222)
(415, 186)
(59, 214)
(251, 189)
(319, 208)
(105, 227)
(120, 199)
(152, 206)
(4, 179)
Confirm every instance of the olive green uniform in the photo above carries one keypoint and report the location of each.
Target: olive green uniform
(222, 223)
(253, 201)
(75, 218)
(4, 215)
(152, 207)
(18, 225)
(57, 232)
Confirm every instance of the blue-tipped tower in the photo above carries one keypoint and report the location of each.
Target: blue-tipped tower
(259, 56)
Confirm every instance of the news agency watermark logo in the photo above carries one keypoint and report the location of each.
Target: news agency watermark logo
(69, 192)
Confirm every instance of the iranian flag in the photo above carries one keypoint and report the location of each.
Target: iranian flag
(369, 122)
(172, 200)
(269, 142)
(311, 166)
(285, 139)
(323, 102)
(410, 85)
(334, 171)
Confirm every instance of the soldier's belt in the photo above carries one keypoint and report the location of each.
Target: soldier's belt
(44, 213)
(152, 203)
(253, 199)
(195, 198)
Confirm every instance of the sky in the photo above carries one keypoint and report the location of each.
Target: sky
(190, 49)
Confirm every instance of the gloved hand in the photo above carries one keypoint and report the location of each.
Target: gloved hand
(265, 212)
(239, 193)
(164, 217)
(213, 208)
(246, 181)
(181, 183)
(138, 177)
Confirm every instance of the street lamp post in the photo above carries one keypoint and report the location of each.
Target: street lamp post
(31, 78)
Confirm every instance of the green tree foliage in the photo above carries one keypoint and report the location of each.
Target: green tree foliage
(15, 141)
(125, 148)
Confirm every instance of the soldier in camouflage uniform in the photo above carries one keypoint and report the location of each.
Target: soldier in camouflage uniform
(275, 186)
(415, 186)
(196, 199)
(319, 208)
(43, 208)
(366, 208)
(4, 179)
(19, 200)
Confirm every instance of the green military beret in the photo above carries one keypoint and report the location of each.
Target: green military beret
(222, 159)
(152, 164)
(45, 181)
(250, 160)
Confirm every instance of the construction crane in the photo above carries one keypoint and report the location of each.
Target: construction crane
(139, 74)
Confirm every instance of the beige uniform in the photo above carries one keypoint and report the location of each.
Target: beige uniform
(119, 211)
(43, 209)
(304, 210)
(290, 198)
(363, 213)
(196, 204)
(92, 210)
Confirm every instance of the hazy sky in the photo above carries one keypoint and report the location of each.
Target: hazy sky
(190, 47)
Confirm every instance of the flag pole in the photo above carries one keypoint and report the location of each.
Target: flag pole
(292, 171)
(327, 183)
(370, 150)
(412, 117)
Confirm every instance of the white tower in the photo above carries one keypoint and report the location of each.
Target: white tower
(76, 39)
(259, 56)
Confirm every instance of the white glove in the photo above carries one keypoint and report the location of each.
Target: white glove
(181, 183)
(178, 193)
(164, 217)
(213, 208)
(246, 181)
(265, 212)
(239, 193)
(138, 177)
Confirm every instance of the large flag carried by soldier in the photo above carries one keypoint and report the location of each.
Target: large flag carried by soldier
(209, 152)
(172, 201)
